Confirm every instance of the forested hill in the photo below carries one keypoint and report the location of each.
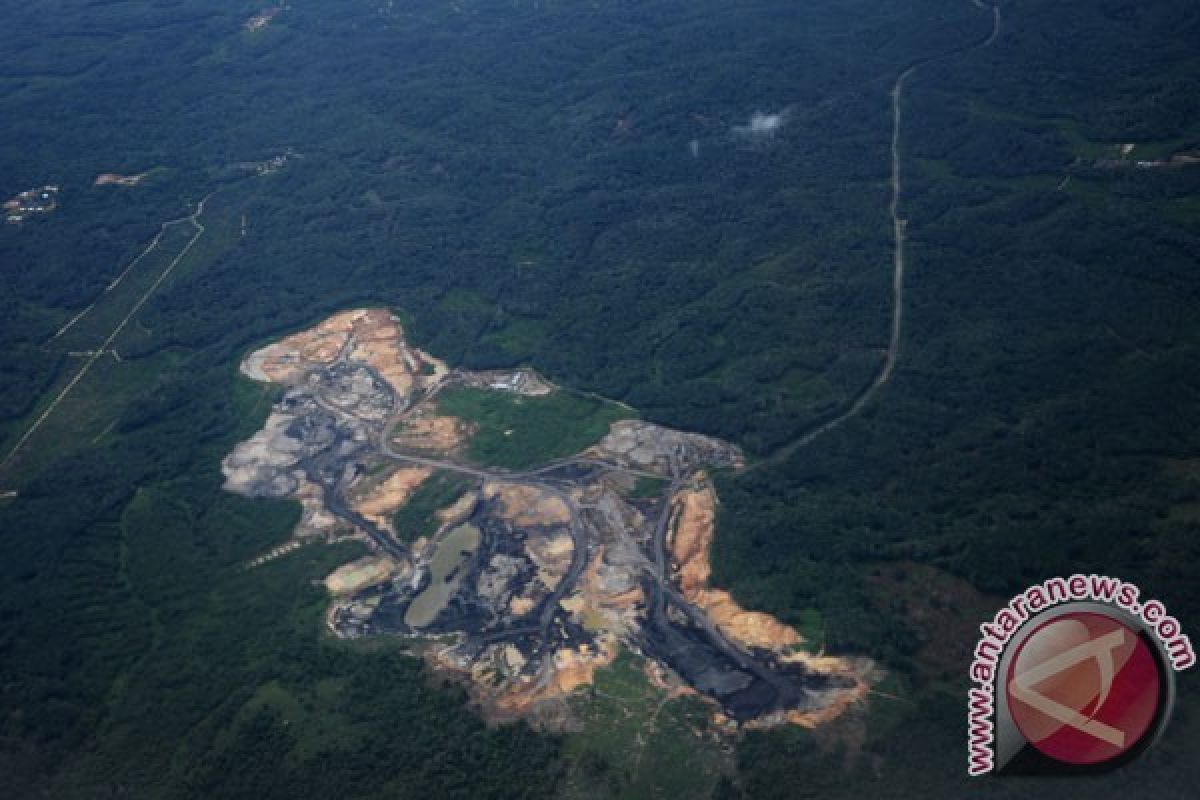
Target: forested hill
(683, 205)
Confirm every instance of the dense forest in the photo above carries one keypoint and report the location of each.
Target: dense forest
(581, 188)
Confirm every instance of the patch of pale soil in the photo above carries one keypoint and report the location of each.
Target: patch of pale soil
(315, 519)
(258, 465)
(287, 360)
(526, 506)
(521, 605)
(651, 447)
(519, 381)
(691, 541)
(383, 499)
(667, 681)
(835, 703)
(568, 670)
(428, 433)
(750, 628)
(360, 574)
(608, 597)
(840, 700)
(552, 557)
(378, 341)
(116, 179)
(376, 338)
(691, 537)
(458, 511)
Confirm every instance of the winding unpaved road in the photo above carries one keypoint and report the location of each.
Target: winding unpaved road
(106, 346)
(583, 536)
(899, 233)
(579, 530)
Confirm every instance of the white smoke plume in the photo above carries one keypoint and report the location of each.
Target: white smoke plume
(761, 125)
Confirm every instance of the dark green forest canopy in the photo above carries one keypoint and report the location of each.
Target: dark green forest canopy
(563, 186)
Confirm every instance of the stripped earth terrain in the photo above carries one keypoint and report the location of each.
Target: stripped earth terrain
(529, 581)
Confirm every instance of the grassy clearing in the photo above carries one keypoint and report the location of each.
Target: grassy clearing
(134, 364)
(636, 743)
(130, 283)
(87, 416)
(516, 432)
(648, 487)
(315, 715)
(416, 518)
(519, 337)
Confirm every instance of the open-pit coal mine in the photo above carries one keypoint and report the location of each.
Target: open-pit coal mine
(526, 581)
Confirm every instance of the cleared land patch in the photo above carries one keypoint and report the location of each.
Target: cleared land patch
(518, 431)
(521, 582)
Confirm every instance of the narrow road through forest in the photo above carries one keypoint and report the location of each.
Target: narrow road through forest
(106, 346)
(899, 233)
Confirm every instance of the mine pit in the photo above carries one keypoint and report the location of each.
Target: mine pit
(541, 576)
(450, 555)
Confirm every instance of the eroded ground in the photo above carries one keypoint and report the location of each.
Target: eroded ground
(534, 579)
(117, 179)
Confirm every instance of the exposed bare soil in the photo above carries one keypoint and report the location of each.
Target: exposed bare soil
(116, 179)
(564, 565)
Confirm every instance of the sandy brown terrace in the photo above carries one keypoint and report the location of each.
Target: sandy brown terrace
(533, 579)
